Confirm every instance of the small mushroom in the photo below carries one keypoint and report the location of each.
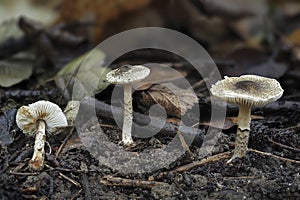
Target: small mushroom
(246, 91)
(33, 120)
(127, 75)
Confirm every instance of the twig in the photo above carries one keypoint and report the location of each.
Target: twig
(24, 173)
(241, 177)
(27, 93)
(283, 145)
(65, 177)
(211, 159)
(29, 190)
(274, 156)
(118, 181)
(76, 195)
(184, 144)
(64, 143)
(106, 125)
(214, 158)
(106, 111)
(72, 170)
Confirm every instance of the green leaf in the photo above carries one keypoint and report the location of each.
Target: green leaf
(15, 70)
(84, 76)
(9, 29)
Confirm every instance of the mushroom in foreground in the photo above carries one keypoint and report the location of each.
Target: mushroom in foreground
(246, 91)
(127, 75)
(33, 120)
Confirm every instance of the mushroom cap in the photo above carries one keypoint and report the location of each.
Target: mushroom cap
(28, 116)
(251, 90)
(127, 74)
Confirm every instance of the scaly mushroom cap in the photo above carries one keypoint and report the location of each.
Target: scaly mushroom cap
(27, 117)
(127, 74)
(249, 90)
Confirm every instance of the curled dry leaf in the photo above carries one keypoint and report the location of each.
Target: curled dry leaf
(175, 100)
(71, 111)
(16, 69)
(84, 76)
(159, 73)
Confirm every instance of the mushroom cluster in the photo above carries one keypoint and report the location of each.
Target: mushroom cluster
(126, 75)
(246, 91)
(33, 120)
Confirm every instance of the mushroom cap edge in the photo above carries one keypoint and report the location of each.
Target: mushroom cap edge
(249, 90)
(127, 74)
(27, 117)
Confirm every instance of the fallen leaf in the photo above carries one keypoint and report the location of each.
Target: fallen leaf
(176, 101)
(15, 69)
(158, 73)
(229, 123)
(9, 29)
(294, 37)
(14, 8)
(84, 76)
(71, 111)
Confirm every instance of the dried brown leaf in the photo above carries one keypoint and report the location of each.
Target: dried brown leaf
(158, 74)
(294, 37)
(176, 101)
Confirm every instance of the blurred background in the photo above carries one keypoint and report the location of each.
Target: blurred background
(243, 37)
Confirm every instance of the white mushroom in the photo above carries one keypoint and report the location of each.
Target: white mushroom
(33, 120)
(246, 91)
(127, 75)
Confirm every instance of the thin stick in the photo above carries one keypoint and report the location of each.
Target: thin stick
(118, 181)
(274, 156)
(64, 143)
(211, 159)
(183, 143)
(29, 190)
(109, 112)
(76, 195)
(65, 177)
(283, 145)
(214, 158)
(24, 173)
(241, 177)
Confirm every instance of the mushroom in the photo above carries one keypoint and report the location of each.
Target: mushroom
(246, 91)
(33, 120)
(127, 75)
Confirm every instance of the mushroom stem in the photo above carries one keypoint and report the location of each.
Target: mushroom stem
(127, 121)
(37, 161)
(242, 135)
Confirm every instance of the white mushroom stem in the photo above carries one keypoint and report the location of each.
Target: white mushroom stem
(127, 121)
(37, 161)
(242, 135)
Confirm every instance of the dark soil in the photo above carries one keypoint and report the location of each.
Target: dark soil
(72, 171)
(253, 177)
